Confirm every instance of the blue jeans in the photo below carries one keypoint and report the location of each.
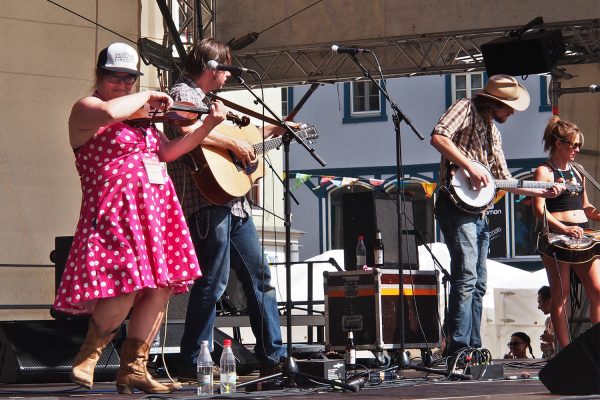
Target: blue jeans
(467, 238)
(224, 241)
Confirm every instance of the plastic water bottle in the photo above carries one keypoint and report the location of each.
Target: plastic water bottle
(361, 253)
(228, 374)
(204, 367)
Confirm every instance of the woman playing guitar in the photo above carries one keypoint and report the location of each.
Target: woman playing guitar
(566, 214)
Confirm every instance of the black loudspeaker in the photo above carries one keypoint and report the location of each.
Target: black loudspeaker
(366, 212)
(530, 53)
(245, 359)
(576, 369)
(62, 246)
(43, 351)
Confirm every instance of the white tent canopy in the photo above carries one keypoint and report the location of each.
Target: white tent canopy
(510, 304)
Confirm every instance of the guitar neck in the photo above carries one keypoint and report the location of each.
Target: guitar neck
(276, 142)
(514, 184)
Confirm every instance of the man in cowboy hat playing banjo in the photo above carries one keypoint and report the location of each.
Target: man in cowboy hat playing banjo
(467, 132)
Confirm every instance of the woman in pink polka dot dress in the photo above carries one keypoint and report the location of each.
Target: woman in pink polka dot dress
(131, 248)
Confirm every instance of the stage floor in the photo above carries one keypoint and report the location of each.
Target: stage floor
(520, 382)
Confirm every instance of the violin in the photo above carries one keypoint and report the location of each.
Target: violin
(181, 113)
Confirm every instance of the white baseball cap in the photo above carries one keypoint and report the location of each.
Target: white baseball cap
(119, 57)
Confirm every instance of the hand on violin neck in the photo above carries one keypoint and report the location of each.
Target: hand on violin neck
(159, 101)
(217, 114)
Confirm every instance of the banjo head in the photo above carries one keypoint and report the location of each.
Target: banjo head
(471, 199)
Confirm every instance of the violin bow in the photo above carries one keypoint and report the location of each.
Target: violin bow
(243, 109)
(262, 117)
(300, 104)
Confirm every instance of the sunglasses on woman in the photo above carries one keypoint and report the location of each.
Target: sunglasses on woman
(574, 145)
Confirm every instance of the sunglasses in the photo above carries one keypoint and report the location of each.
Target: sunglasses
(574, 145)
(514, 344)
(127, 79)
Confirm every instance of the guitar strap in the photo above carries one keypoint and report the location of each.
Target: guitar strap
(580, 168)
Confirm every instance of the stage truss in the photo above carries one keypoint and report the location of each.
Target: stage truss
(426, 54)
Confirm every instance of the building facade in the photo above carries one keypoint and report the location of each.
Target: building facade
(357, 139)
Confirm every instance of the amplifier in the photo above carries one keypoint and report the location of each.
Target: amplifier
(334, 370)
(367, 303)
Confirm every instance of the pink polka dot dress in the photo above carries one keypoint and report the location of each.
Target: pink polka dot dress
(131, 233)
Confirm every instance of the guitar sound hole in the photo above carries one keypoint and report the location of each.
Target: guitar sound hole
(250, 168)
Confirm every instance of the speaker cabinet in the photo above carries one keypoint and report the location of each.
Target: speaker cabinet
(366, 212)
(43, 351)
(576, 369)
(530, 53)
(245, 359)
(368, 302)
(62, 246)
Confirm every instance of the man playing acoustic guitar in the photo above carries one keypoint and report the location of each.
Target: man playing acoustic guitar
(466, 132)
(568, 214)
(224, 234)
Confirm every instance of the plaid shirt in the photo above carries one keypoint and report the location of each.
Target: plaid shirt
(475, 138)
(180, 170)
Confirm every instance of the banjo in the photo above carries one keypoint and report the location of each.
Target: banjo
(468, 199)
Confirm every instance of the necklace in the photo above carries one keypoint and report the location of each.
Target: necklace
(560, 172)
(572, 179)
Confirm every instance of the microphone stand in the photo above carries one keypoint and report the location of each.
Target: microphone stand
(290, 368)
(398, 117)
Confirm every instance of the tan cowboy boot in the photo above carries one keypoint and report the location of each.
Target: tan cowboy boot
(133, 373)
(89, 354)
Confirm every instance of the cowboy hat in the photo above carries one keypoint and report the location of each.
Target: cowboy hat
(506, 89)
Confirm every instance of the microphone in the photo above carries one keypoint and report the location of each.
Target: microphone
(215, 66)
(348, 50)
(594, 88)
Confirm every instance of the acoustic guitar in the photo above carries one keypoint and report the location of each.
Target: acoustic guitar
(221, 176)
(465, 197)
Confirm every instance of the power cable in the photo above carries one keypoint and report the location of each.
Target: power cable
(93, 22)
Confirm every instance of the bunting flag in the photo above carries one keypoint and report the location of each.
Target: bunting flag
(342, 181)
(348, 181)
(326, 179)
(301, 178)
(376, 182)
(499, 196)
(428, 188)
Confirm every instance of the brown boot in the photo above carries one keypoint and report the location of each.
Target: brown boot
(133, 373)
(89, 354)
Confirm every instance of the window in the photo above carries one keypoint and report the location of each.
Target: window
(365, 98)
(545, 100)
(363, 103)
(287, 101)
(466, 85)
(524, 223)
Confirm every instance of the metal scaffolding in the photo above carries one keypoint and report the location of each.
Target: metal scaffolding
(429, 54)
(425, 54)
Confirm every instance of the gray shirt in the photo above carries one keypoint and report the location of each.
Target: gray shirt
(180, 170)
